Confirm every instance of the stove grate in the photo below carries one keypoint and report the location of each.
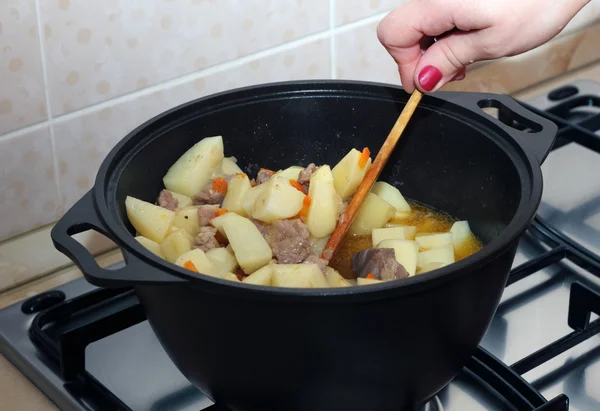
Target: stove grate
(62, 332)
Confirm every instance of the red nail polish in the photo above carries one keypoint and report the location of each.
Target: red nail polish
(429, 77)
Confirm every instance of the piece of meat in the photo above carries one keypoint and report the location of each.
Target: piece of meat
(381, 262)
(264, 175)
(304, 175)
(205, 239)
(166, 200)
(206, 213)
(289, 241)
(262, 226)
(315, 259)
(208, 196)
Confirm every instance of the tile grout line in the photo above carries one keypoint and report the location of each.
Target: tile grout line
(332, 51)
(186, 78)
(41, 38)
(219, 67)
(181, 79)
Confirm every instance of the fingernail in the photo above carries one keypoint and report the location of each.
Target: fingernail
(429, 77)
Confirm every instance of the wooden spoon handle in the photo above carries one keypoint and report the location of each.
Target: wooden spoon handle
(371, 176)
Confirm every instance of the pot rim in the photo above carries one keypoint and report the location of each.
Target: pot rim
(527, 207)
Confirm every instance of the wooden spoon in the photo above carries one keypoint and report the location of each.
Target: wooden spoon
(371, 176)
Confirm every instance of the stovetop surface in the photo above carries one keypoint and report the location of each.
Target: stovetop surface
(533, 313)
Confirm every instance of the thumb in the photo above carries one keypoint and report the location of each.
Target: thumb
(446, 59)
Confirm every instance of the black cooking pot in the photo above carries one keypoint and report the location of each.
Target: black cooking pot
(389, 346)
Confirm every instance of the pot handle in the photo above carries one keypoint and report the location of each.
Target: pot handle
(542, 132)
(83, 216)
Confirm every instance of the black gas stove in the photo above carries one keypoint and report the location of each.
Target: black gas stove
(92, 349)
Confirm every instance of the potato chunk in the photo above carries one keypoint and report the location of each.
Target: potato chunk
(223, 260)
(334, 279)
(298, 276)
(249, 246)
(430, 267)
(444, 255)
(217, 222)
(367, 281)
(151, 221)
(262, 276)
(249, 200)
(236, 191)
(194, 169)
(187, 219)
(462, 236)
(433, 240)
(176, 244)
(374, 212)
(347, 174)
(393, 196)
(200, 261)
(278, 201)
(400, 218)
(229, 166)
(150, 245)
(323, 211)
(317, 245)
(393, 233)
(290, 173)
(406, 253)
(231, 277)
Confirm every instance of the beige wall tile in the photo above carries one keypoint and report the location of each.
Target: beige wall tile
(83, 142)
(360, 56)
(99, 50)
(550, 60)
(28, 192)
(348, 11)
(22, 98)
(33, 254)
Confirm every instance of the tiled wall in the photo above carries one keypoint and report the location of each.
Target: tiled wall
(77, 75)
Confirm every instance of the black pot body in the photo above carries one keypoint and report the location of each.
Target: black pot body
(384, 347)
(387, 354)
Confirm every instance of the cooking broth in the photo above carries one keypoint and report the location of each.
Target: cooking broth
(424, 218)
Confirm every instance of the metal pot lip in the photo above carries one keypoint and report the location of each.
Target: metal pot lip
(528, 204)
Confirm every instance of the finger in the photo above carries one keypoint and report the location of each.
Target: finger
(447, 59)
(401, 33)
(402, 30)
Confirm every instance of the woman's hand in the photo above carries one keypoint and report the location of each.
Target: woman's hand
(481, 30)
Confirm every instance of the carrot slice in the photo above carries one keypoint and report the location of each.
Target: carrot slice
(364, 157)
(370, 276)
(298, 186)
(240, 276)
(241, 174)
(190, 266)
(220, 212)
(305, 207)
(220, 185)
